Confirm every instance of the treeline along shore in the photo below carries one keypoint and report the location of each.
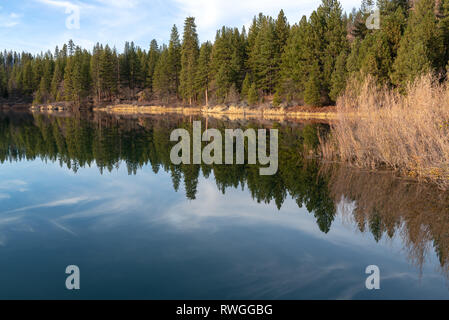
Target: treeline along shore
(328, 58)
(273, 62)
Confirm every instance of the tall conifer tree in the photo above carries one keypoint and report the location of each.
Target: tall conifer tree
(189, 60)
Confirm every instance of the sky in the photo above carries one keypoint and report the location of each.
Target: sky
(39, 25)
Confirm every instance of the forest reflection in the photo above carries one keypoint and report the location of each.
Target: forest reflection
(378, 203)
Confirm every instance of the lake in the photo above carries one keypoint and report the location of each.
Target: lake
(99, 191)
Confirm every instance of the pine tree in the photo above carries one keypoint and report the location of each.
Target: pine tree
(387, 7)
(77, 76)
(108, 72)
(56, 90)
(282, 32)
(359, 18)
(153, 57)
(37, 70)
(161, 78)
(71, 47)
(56, 82)
(227, 62)
(264, 56)
(294, 61)
(95, 71)
(312, 91)
(422, 46)
(253, 95)
(375, 54)
(443, 14)
(3, 77)
(312, 49)
(246, 86)
(68, 79)
(26, 77)
(202, 78)
(334, 41)
(339, 76)
(3, 80)
(47, 70)
(277, 99)
(189, 59)
(131, 74)
(174, 62)
(253, 32)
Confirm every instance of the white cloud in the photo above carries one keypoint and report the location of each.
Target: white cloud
(120, 3)
(215, 210)
(8, 220)
(62, 227)
(4, 196)
(57, 203)
(65, 4)
(54, 3)
(14, 185)
(9, 20)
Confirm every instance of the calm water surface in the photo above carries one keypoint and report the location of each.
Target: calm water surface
(100, 192)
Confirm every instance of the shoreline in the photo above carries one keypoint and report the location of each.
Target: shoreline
(232, 112)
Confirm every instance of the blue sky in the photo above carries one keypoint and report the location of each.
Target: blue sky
(39, 25)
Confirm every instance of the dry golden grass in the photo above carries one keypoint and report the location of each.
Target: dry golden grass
(379, 127)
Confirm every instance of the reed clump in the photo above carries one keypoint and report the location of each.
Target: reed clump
(380, 128)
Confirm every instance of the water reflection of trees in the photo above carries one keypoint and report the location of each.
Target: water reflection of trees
(388, 206)
(384, 205)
